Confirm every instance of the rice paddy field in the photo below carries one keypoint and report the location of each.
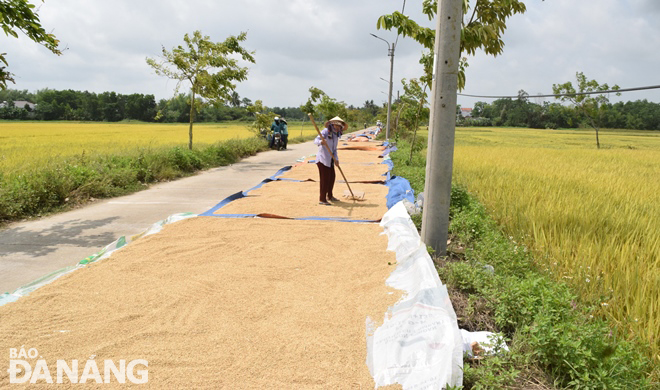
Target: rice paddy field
(593, 216)
(25, 145)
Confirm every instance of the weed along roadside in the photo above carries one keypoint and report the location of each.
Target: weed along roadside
(556, 338)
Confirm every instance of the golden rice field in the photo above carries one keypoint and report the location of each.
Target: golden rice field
(25, 145)
(593, 215)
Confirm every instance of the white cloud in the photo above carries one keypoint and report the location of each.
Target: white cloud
(608, 40)
(326, 44)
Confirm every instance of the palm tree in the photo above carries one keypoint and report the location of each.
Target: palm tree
(235, 99)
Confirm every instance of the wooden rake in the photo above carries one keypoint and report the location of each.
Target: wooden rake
(357, 195)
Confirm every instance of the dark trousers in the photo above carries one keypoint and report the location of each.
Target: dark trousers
(285, 139)
(327, 181)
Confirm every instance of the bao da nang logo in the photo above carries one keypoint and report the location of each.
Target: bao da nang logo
(27, 366)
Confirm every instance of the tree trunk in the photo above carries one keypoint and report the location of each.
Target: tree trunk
(192, 118)
(398, 115)
(593, 124)
(419, 110)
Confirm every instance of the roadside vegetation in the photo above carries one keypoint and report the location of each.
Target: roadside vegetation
(558, 335)
(76, 179)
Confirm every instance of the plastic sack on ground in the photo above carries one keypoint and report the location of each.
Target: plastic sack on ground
(419, 203)
(419, 345)
(480, 344)
(411, 207)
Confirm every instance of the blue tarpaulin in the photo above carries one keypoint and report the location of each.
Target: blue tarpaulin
(243, 194)
(388, 150)
(399, 189)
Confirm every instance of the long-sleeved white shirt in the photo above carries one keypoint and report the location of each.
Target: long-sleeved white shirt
(332, 139)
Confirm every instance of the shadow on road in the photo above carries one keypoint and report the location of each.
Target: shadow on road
(42, 242)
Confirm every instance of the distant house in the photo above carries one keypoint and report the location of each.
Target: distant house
(466, 112)
(24, 104)
(20, 104)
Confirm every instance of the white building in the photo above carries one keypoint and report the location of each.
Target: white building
(20, 104)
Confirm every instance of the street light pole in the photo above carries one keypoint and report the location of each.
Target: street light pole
(390, 52)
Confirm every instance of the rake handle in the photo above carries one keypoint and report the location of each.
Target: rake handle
(332, 155)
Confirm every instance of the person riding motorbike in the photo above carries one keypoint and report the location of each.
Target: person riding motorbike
(275, 128)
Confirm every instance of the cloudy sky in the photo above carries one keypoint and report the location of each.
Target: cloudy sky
(326, 44)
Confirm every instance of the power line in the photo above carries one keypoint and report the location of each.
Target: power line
(566, 94)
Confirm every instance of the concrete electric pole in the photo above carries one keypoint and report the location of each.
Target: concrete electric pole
(440, 154)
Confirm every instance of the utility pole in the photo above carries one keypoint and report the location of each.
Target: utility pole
(390, 52)
(440, 154)
(389, 95)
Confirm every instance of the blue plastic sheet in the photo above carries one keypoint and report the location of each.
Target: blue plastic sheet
(243, 194)
(399, 189)
(336, 219)
(281, 171)
(388, 150)
(224, 202)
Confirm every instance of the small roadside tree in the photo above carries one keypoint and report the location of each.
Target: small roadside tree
(262, 119)
(207, 66)
(19, 15)
(326, 107)
(589, 105)
(308, 107)
(329, 108)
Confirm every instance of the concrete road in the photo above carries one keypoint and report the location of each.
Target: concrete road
(29, 250)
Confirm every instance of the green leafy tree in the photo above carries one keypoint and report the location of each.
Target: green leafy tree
(370, 109)
(329, 108)
(479, 109)
(235, 99)
(19, 16)
(262, 118)
(589, 105)
(484, 22)
(315, 95)
(415, 97)
(207, 66)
